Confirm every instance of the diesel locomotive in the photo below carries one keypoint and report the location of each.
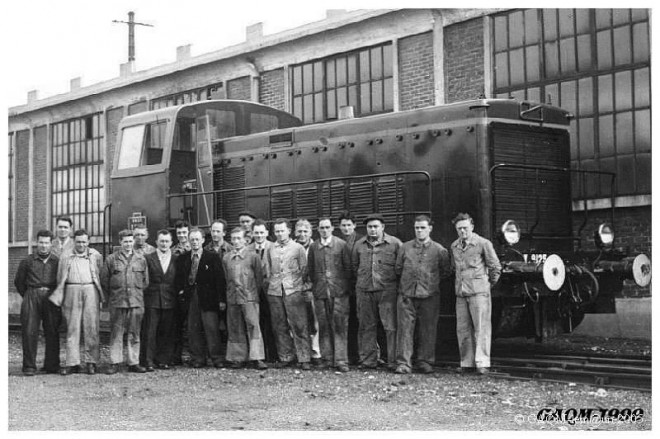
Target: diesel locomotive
(505, 162)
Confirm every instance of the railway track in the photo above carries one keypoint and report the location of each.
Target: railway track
(601, 371)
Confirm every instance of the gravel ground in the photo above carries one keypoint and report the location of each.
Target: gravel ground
(319, 400)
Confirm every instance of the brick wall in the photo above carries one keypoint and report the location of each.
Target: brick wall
(239, 88)
(22, 184)
(464, 60)
(416, 71)
(632, 228)
(271, 89)
(40, 180)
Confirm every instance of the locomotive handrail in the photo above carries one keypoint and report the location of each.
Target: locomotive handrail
(560, 169)
(270, 187)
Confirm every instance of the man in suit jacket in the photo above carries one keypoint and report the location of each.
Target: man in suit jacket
(260, 245)
(160, 297)
(199, 274)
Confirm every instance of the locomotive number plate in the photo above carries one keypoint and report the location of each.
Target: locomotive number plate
(537, 258)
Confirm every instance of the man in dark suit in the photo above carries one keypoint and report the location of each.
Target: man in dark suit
(158, 330)
(199, 274)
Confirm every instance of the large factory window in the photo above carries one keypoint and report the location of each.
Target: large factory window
(596, 64)
(78, 173)
(214, 91)
(11, 142)
(361, 79)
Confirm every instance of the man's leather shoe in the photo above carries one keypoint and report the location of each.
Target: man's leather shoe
(149, 369)
(402, 370)
(136, 368)
(112, 369)
(198, 365)
(91, 369)
(343, 368)
(305, 366)
(483, 370)
(163, 366)
(283, 364)
(29, 372)
(317, 361)
(68, 370)
(424, 368)
(260, 365)
(234, 364)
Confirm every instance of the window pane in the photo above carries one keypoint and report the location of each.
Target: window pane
(330, 73)
(642, 91)
(516, 29)
(550, 24)
(586, 96)
(517, 74)
(566, 27)
(643, 131)
(603, 18)
(605, 93)
(318, 76)
(308, 80)
(531, 26)
(388, 61)
(582, 21)
(568, 101)
(377, 96)
(331, 104)
(318, 107)
(532, 53)
(639, 14)
(353, 97)
(551, 60)
(297, 80)
(500, 33)
(297, 107)
(567, 54)
(534, 94)
(603, 40)
(584, 52)
(624, 133)
(605, 136)
(308, 109)
(342, 97)
(376, 63)
(388, 94)
(622, 49)
(364, 66)
(551, 94)
(623, 90)
(641, 52)
(620, 16)
(352, 69)
(501, 70)
(341, 71)
(365, 99)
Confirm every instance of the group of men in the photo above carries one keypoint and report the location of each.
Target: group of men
(291, 302)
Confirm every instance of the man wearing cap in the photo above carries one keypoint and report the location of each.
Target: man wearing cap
(477, 268)
(35, 280)
(260, 245)
(373, 261)
(421, 265)
(246, 220)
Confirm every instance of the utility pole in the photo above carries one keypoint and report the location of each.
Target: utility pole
(131, 33)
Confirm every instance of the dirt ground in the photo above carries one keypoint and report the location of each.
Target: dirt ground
(288, 399)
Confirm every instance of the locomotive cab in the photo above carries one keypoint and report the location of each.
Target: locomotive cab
(163, 155)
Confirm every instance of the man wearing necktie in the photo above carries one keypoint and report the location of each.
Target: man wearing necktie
(477, 269)
(201, 279)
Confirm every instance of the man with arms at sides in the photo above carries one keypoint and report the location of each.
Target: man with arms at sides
(244, 275)
(286, 265)
(477, 269)
(160, 297)
(260, 245)
(329, 267)
(140, 236)
(303, 233)
(182, 229)
(421, 265)
(201, 278)
(35, 280)
(347, 226)
(64, 242)
(80, 295)
(124, 277)
(218, 243)
(373, 261)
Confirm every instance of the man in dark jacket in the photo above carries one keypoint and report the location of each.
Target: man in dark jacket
(157, 344)
(35, 280)
(199, 274)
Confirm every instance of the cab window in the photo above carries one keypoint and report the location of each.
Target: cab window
(142, 145)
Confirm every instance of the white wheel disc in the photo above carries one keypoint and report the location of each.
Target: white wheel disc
(554, 272)
(642, 270)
